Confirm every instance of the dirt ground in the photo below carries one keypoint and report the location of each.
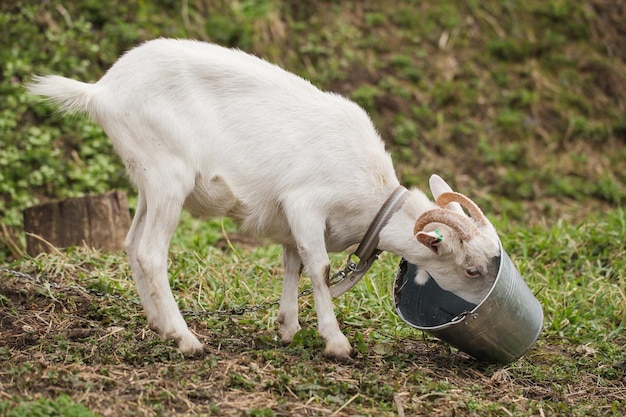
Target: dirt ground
(52, 342)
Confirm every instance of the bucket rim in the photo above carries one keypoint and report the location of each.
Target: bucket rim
(459, 318)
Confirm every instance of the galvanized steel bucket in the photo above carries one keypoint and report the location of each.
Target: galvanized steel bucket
(501, 328)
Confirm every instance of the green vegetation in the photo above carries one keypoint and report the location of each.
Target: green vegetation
(523, 101)
(518, 104)
(62, 406)
(99, 350)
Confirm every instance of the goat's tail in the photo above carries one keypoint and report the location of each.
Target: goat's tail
(70, 95)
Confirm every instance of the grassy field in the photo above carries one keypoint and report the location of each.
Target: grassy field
(97, 349)
(518, 104)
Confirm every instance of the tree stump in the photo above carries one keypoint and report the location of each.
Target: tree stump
(99, 221)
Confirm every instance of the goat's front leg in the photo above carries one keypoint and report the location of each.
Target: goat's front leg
(288, 312)
(337, 345)
(308, 232)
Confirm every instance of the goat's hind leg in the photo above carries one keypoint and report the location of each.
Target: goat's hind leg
(288, 312)
(131, 245)
(147, 247)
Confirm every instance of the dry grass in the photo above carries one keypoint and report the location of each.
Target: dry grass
(57, 339)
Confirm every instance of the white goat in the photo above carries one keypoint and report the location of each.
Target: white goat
(224, 133)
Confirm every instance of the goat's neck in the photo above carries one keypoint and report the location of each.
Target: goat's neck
(397, 236)
(348, 220)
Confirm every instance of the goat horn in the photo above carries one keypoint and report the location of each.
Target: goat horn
(456, 221)
(472, 208)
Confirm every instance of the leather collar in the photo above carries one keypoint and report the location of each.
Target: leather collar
(367, 251)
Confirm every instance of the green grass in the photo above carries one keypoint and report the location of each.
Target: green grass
(522, 100)
(62, 406)
(98, 350)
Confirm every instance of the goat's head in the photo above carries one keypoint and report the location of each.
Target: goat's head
(462, 247)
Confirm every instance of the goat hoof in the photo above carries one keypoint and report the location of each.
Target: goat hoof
(286, 335)
(191, 347)
(340, 349)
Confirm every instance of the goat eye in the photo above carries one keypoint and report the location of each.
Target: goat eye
(472, 272)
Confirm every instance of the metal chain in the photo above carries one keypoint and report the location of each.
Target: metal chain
(238, 311)
(339, 276)
(334, 280)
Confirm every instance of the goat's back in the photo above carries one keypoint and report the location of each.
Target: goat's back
(203, 112)
(213, 100)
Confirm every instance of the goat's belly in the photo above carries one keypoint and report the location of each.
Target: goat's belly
(215, 198)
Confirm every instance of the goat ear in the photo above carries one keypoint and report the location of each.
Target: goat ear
(429, 239)
(438, 186)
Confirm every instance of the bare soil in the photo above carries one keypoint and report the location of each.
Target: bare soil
(52, 342)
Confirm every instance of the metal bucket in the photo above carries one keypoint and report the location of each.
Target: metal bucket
(501, 328)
